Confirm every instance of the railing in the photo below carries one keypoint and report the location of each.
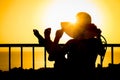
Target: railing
(112, 46)
(38, 45)
(21, 49)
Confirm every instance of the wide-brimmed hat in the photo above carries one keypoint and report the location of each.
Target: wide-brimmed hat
(76, 29)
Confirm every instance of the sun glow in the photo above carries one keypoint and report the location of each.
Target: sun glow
(18, 18)
(60, 11)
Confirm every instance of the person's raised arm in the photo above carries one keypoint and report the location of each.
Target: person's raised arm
(58, 35)
(40, 38)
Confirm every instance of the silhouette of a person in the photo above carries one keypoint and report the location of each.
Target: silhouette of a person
(82, 54)
(54, 50)
(52, 47)
(82, 50)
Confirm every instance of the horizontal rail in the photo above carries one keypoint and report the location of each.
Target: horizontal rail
(112, 45)
(20, 45)
(39, 45)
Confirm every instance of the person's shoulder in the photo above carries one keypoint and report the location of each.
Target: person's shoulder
(71, 41)
(92, 40)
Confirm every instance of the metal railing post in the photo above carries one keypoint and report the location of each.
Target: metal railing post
(45, 57)
(112, 55)
(9, 57)
(33, 57)
(21, 57)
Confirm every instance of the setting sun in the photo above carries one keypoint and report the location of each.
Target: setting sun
(60, 11)
(28, 15)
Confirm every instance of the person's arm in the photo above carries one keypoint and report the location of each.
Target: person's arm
(59, 34)
(52, 47)
(40, 38)
(100, 47)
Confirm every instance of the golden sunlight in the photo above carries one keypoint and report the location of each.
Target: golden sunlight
(22, 15)
(67, 12)
(18, 18)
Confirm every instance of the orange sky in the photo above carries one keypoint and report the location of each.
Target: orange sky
(18, 18)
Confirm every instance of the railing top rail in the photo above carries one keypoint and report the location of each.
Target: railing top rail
(112, 45)
(39, 45)
(20, 45)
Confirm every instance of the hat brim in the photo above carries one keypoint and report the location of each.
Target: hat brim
(71, 29)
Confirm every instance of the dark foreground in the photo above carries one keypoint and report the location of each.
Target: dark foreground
(110, 73)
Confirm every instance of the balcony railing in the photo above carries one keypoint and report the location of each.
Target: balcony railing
(112, 46)
(21, 52)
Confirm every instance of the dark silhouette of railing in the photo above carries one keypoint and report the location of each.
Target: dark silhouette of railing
(112, 46)
(21, 47)
(38, 45)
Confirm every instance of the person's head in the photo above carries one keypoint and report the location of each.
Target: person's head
(91, 31)
(83, 18)
(76, 30)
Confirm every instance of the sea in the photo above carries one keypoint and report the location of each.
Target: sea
(39, 58)
(27, 58)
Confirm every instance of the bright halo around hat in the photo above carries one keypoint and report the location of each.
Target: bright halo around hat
(64, 11)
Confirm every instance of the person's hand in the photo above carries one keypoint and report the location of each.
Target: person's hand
(36, 33)
(59, 33)
(47, 33)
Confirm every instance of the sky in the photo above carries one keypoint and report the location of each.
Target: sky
(18, 18)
